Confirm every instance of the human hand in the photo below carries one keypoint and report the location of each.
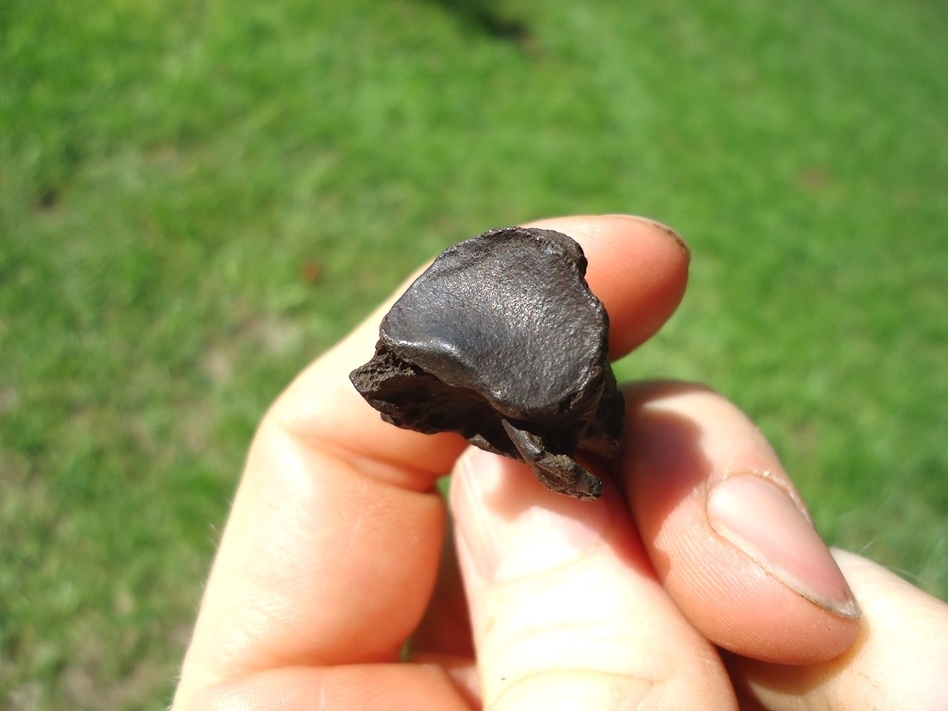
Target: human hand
(332, 559)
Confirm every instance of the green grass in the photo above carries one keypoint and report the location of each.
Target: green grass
(197, 198)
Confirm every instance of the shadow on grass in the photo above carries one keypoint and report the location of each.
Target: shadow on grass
(485, 17)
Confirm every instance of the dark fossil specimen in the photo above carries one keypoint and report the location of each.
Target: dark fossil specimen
(501, 341)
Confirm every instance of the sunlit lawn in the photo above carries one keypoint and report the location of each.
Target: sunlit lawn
(197, 198)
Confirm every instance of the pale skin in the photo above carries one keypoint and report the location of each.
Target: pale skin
(695, 582)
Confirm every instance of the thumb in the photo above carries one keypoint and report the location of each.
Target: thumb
(727, 531)
(566, 610)
(899, 661)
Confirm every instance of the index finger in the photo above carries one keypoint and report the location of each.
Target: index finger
(330, 553)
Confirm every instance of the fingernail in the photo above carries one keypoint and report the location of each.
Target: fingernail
(667, 230)
(765, 523)
(510, 526)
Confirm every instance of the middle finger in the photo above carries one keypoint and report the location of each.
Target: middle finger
(566, 609)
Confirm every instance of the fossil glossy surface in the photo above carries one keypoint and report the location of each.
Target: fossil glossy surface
(501, 341)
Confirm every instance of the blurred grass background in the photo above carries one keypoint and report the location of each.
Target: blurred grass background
(197, 198)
